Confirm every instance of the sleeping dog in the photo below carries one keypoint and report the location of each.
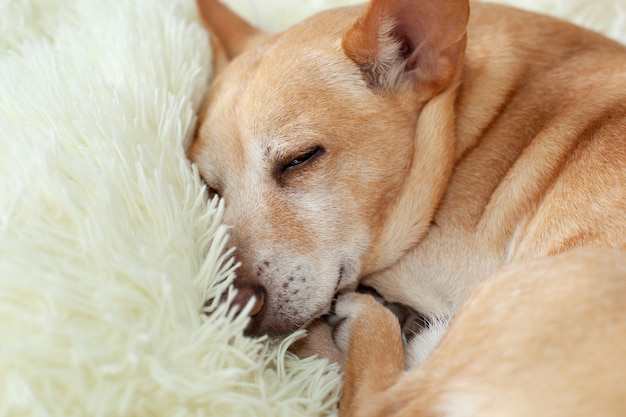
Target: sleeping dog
(465, 160)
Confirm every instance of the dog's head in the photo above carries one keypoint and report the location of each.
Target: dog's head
(322, 143)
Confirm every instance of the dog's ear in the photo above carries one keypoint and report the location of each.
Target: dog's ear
(230, 34)
(420, 41)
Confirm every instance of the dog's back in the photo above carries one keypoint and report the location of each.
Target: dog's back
(547, 122)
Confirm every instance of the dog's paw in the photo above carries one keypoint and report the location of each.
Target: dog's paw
(360, 311)
(347, 308)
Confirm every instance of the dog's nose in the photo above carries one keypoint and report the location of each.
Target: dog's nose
(245, 293)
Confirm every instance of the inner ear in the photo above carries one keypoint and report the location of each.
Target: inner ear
(421, 41)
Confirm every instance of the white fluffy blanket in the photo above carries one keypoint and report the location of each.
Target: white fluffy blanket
(108, 248)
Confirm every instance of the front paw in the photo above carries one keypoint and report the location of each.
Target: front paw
(356, 312)
(368, 334)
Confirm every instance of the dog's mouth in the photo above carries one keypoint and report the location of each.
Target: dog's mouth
(412, 322)
(328, 310)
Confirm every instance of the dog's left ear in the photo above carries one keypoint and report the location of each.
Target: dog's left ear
(230, 34)
(419, 41)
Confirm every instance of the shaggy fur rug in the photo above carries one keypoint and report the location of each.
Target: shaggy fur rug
(108, 248)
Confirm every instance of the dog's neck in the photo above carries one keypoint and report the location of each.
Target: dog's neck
(410, 214)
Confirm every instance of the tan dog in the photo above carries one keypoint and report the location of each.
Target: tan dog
(418, 150)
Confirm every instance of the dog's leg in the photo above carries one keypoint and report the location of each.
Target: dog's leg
(367, 330)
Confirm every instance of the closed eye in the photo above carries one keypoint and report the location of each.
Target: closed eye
(210, 190)
(303, 158)
(212, 193)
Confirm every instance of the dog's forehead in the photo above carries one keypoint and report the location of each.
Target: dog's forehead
(280, 93)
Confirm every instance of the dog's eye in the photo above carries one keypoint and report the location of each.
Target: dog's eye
(303, 158)
(210, 190)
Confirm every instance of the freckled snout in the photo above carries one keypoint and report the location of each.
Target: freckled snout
(282, 293)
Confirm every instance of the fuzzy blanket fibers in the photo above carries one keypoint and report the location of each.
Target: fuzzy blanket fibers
(108, 247)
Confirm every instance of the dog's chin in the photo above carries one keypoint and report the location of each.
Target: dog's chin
(283, 326)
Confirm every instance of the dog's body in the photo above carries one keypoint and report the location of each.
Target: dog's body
(401, 147)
